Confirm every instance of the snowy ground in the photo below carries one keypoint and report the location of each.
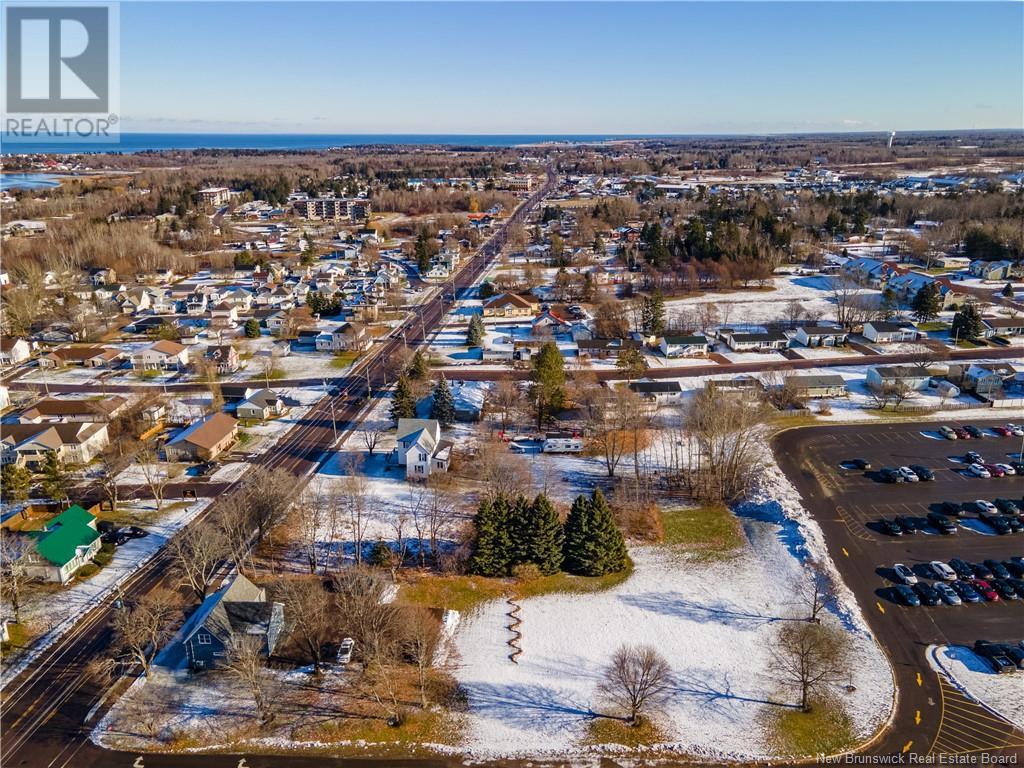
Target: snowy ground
(53, 614)
(972, 675)
(714, 624)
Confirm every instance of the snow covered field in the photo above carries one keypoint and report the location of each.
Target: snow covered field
(972, 675)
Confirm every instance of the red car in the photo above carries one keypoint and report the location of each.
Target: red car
(1003, 431)
(961, 433)
(985, 589)
(994, 470)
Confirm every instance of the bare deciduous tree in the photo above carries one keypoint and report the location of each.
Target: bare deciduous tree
(244, 661)
(14, 572)
(269, 494)
(311, 616)
(142, 627)
(637, 677)
(808, 657)
(198, 554)
(157, 475)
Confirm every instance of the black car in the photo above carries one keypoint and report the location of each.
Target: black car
(981, 571)
(1005, 589)
(941, 523)
(922, 472)
(904, 594)
(996, 522)
(967, 592)
(993, 653)
(890, 475)
(890, 527)
(1006, 506)
(134, 532)
(1018, 586)
(927, 593)
(1016, 569)
(106, 526)
(908, 524)
(954, 508)
(973, 431)
(1014, 522)
(1018, 467)
(973, 457)
(997, 568)
(117, 538)
(962, 568)
(859, 464)
(1014, 653)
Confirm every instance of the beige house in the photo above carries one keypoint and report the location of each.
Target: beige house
(163, 355)
(511, 305)
(87, 357)
(203, 440)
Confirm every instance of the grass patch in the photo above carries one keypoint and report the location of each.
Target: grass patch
(968, 344)
(567, 583)
(419, 727)
(147, 374)
(343, 360)
(826, 728)
(606, 730)
(933, 326)
(709, 532)
(86, 571)
(274, 375)
(18, 636)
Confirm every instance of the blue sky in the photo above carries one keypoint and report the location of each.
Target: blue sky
(600, 68)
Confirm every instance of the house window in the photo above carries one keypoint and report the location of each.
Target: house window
(423, 457)
(203, 638)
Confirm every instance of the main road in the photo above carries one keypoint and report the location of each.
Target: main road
(49, 708)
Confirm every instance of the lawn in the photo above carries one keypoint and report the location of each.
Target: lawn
(933, 326)
(342, 360)
(708, 532)
(606, 730)
(825, 729)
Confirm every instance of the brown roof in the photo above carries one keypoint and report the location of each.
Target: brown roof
(7, 343)
(167, 346)
(207, 433)
(84, 353)
(51, 406)
(505, 299)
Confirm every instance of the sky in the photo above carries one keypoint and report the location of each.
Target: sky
(570, 68)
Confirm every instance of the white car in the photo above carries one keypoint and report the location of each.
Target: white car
(986, 506)
(1017, 429)
(942, 571)
(345, 650)
(1007, 469)
(904, 574)
(908, 474)
(978, 471)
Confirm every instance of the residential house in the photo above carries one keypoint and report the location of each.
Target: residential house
(683, 346)
(1002, 326)
(225, 357)
(214, 195)
(606, 347)
(550, 320)
(420, 449)
(511, 305)
(744, 386)
(991, 270)
(767, 341)
(238, 610)
(988, 379)
(102, 276)
(163, 355)
(820, 336)
(14, 351)
(203, 440)
(134, 300)
(345, 337)
(223, 316)
(912, 377)
(869, 272)
(52, 410)
(65, 544)
(659, 391)
(887, 332)
(87, 357)
(73, 442)
(261, 404)
(815, 386)
(196, 303)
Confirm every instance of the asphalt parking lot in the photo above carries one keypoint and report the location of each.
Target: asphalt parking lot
(847, 503)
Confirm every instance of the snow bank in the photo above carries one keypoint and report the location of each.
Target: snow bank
(972, 675)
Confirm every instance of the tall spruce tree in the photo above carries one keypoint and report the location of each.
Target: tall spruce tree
(403, 402)
(492, 551)
(475, 333)
(548, 537)
(927, 303)
(967, 322)
(520, 531)
(548, 388)
(418, 367)
(443, 406)
(576, 534)
(607, 547)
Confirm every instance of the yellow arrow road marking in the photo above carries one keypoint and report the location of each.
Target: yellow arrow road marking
(917, 717)
(919, 678)
(845, 552)
(880, 607)
(906, 747)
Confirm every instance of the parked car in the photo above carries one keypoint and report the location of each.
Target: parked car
(1016, 430)
(908, 524)
(1007, 506)
(923, 473)
(1016, 569)
(996, 522)
(906, 595)
(927, 593)
(1003, 431)
(1018, 586)
(979, 470)
(903, 574)
(986, 590)
(890, 475)
(994, 470)
(994, 655)
(981, 506)
(941, 571)
(1007, 469)
(997, 568)
(961, 433)
(345, 650)
(134, 532)
(890, 527)
(941, 523)
(954, 508)
(1018, 467)
(859, 463)
(947, 432)
(973, 431)
(106, 526)
(947, 593)
(973, 457)
(117, 538)
(908, 474)
(981, 571)
(962, 568)
(966, 592)
(1015, 523)
(1006, 592)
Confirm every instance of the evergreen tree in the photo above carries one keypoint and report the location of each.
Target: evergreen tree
(418, 367)
(54, 481)
(520, 528)
(422, 251)
(1008, 290)
(606, 547)
(16, 481)
(927, 303)
(548, 388)
(492, 549)
(443, 406)
(576, 534)
(403, 403)
(476, 332)
(252, 328)
(967, 322)
(548, 538)
(890, 304)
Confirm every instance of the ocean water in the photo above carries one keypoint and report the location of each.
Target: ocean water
(143, 142)
(28, 180)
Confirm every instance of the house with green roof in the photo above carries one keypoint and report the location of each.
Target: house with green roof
(65, 544)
